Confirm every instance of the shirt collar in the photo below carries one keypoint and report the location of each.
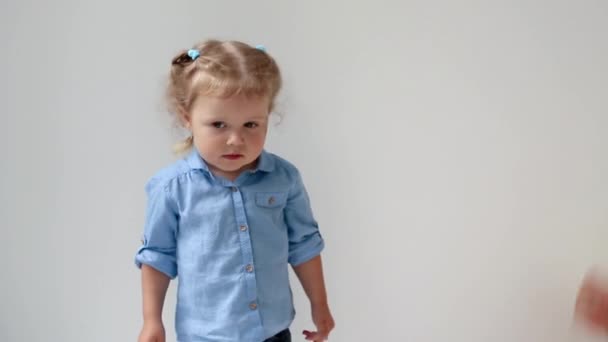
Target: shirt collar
(196, 162)
(265, 162)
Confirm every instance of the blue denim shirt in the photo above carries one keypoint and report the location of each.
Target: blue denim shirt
(229, 244)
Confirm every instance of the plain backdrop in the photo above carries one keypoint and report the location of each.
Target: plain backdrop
(456, 154)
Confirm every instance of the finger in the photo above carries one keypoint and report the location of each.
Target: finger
(310, 335)
(307, 334)
(315, 337)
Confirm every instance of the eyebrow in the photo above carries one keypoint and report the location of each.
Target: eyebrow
(257, 117)
(219, 118)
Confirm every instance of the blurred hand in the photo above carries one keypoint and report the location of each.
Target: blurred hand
(321, 317)
(152, 332)
(592, 303)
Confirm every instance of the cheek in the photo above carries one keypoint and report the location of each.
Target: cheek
(207, 133)
(206, 139)
(258, 138)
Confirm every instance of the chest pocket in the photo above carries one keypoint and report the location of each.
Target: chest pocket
(271, 199)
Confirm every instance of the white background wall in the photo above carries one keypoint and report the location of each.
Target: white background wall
(455, 152)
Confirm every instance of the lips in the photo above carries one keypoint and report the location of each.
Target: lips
(232, 156)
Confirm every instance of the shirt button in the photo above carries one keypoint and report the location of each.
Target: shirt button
(234, 189)
(243, 228)
(249, 268)
(253, 306)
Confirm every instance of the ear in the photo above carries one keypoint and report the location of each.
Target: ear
(184, 118)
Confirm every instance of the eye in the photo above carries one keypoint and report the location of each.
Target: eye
(218, 124)
(251, 125)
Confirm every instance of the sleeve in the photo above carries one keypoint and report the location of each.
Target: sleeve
(305, 240)
(158, 247)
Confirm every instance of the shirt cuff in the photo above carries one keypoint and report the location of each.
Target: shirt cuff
(306, 250)
(163, 262)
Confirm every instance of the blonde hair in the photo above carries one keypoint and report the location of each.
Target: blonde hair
(222, 69)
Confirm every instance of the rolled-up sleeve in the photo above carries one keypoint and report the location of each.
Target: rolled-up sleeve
(158, 248)
(305, 240)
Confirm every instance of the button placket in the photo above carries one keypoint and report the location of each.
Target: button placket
(243, 231)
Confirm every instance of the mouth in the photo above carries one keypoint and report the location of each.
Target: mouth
(232, 156)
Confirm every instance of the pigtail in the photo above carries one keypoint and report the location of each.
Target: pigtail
(182, 59)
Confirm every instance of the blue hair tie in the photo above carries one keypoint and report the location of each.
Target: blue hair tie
(260, 47)
(193, 53)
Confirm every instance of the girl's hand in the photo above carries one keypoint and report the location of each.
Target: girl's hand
(592, 303)
(324, 322)
(152, 332)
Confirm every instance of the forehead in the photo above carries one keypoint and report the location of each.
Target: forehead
(236, 105)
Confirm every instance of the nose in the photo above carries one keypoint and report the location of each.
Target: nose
(235, 139)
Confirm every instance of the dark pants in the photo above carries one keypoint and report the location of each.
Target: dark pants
(283, 336)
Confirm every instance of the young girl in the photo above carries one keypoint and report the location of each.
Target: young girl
(229, 217)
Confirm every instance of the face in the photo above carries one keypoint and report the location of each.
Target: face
(229, 132)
